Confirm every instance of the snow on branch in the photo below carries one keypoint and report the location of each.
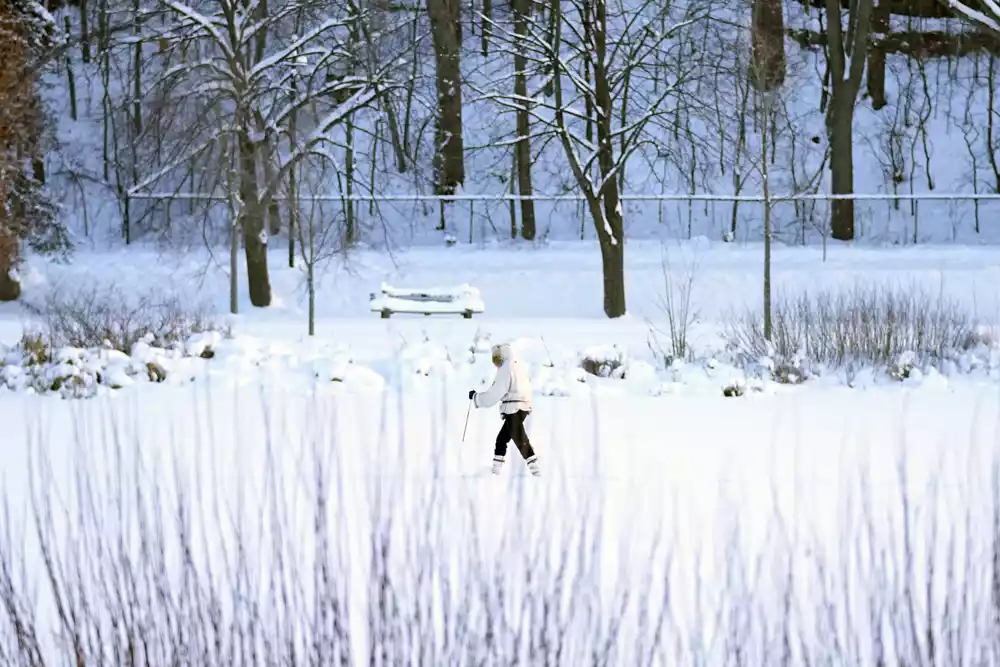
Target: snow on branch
(363, 97)
(175, 163)
(293, 50)
(990, 21)
(205, 24)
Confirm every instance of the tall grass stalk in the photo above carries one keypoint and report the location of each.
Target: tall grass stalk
(343, 546)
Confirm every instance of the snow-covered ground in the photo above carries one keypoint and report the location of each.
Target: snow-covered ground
(780, 484)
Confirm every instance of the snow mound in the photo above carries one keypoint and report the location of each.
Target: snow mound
(71, 372)
(426, 358)
(342, 369)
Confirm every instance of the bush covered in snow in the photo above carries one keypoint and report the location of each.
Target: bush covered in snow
(606, 361)
(867, 325)
(33, 365)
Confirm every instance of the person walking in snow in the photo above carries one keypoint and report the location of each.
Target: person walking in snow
(512, 389)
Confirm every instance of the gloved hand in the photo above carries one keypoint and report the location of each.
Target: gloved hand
(472, 394)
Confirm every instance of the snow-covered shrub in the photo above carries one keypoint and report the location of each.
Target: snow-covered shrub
(903, 366)
(868, 324)
(604, 361)
(735, 389)
(790, 371)
(104, 316)
(983, 336)
(68, 372)
(787, 373)
(426, 358)
(34, 349)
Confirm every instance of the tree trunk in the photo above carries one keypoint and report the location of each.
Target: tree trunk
(610, 230)
(768, 45)
(613, 270)
(84, 32)
(766, 105)
(10, 287)
(449, 160)
(293, 198)
(840, 117)
(588, 38)
(846, 57)
(261, 45)
(268, 152)
(487, 29)
(234, 269)
(137, 78)
(350, 224)
(254, 234)
(876, 56)
(523, 146)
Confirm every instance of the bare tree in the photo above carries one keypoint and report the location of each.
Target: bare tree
(619, 48)
(847, 53)
(322, 231)
(251, 83)
(767, 88)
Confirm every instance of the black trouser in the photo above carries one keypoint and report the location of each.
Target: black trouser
(513, 429)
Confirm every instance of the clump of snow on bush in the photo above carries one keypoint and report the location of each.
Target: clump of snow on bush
(551, 381)
(341, 369)
(605, 361)
(426, 358)
(203, 345)
(72, 372)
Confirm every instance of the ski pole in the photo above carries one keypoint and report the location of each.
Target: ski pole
(467, 412)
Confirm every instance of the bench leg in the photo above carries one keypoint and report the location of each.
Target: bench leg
(467, 314)
(385, 314)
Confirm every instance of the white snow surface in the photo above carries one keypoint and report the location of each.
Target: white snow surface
(653, 450)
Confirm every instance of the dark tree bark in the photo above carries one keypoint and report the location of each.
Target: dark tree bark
(254, 242)
(876, 55)
(10, 287)
(843, 46)
(523, 146)
(449, 152)
(84, 31)
(768, 45)
(610, 234)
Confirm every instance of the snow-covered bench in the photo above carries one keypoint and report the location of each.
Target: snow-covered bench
(461, 300)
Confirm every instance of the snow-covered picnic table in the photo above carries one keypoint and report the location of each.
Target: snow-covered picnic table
(461, 300)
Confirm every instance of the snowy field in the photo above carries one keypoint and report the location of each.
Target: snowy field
(794, 525)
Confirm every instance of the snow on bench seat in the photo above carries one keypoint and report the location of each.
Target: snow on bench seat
(461, 300)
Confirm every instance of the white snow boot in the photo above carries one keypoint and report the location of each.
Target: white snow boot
(497, 464)
(533, 466)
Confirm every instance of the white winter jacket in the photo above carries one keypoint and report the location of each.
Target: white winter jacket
(511, 387)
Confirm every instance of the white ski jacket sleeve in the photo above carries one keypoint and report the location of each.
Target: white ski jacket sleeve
(511, 387)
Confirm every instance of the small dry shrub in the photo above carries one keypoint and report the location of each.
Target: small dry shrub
(788, 373)
(103, 316)
(35, 349)
(869, 324)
